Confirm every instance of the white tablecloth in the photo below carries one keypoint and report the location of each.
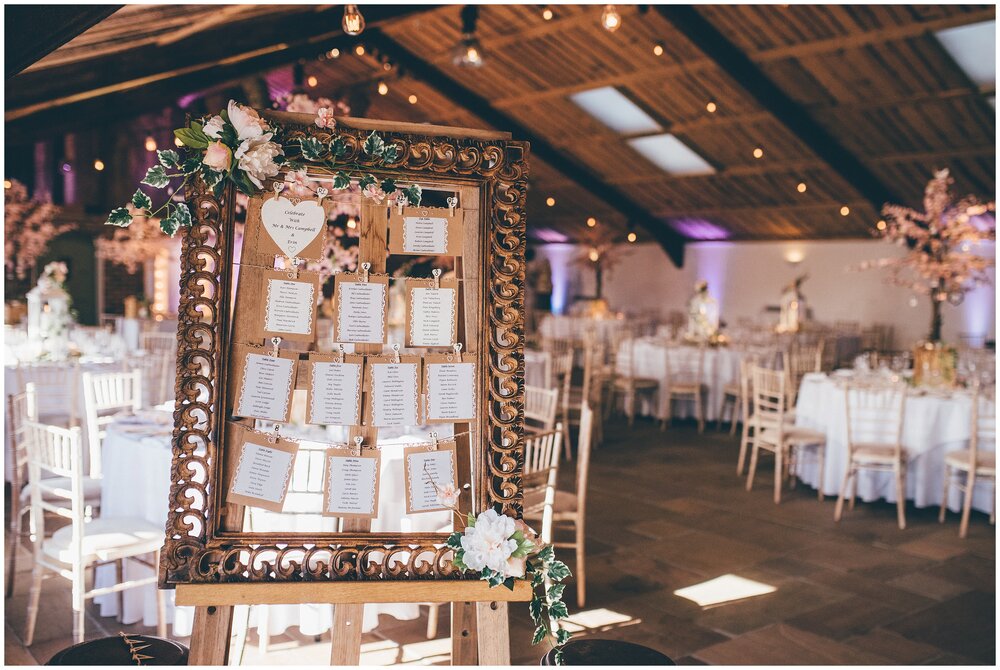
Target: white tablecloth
(721, 367)
(933, 424)
(575, 327)
(137, 483)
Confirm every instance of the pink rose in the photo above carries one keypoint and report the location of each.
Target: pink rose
(374, 192)
(324, 118)
(218, 156)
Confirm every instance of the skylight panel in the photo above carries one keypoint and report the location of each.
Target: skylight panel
(974, 48)
(610, 106)
(671, 155)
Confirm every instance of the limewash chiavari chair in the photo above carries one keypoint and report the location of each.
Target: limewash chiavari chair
(157, 342)
(57, 389)
(799, 361)
(157, 370)
(629, 384)
(22, 408)
(875, 440)
(540, 408)
(573, 397)
(686, 381)
(774, 432)
(538, 482)
(975, 464)
(569, 508)
(745, 408)
(104, 395)
(81, 544)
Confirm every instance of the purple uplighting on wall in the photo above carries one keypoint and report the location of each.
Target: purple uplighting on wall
(550, 236)
(699, 229)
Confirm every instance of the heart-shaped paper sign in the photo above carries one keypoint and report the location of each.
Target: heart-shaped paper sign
(293, 227)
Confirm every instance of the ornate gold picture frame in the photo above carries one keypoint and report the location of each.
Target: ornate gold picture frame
(203, 543)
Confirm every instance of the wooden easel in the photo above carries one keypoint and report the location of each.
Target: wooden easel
(479, 617)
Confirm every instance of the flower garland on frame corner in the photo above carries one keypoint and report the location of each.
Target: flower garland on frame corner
(503, 549)
(238, 146)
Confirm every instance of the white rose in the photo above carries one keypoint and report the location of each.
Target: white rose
(213, 128)
(257, 159)
(246, 121)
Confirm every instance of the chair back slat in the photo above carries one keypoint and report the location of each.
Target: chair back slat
(769, 395)
(104, 395)
(540, 407)
(158, 342)
(541, 469)
(57, 388)
(157, 374)
(875, 414)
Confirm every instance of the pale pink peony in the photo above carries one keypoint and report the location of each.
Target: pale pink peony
(218, 156)
(256, 158)
(324, 118)
(246, 121)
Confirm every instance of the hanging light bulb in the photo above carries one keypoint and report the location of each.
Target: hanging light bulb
(98, 165)
(468, 52)
(383, 88)
(547, 14)
(360, 50)
(594, 255)
(591, 222)
(711, 107)
(611, 19)
(312, 81)
(413, 98)
(353, 23)
(632, 237)
(150, 143)
(658, 49)
(845, 210)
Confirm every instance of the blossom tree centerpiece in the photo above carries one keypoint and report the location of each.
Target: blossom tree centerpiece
(29, 227)
(940, 261)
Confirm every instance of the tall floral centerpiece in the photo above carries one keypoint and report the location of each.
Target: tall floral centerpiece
(941, 261)
(49, 315)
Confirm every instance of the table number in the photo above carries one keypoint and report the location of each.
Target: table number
(428, 469)
(334, 391)
(263, 470)
(266, 382)
(450, 385)
(351, 483)
(359, 308)
(431, 312)
(425, 231)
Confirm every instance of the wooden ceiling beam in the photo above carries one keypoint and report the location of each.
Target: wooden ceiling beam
(420, 69)
(834, 207)
(34, 31)
(772, 98)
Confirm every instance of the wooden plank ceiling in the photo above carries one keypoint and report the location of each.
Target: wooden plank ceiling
(873, 77)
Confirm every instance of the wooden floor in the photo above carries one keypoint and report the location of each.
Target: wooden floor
(667, 511)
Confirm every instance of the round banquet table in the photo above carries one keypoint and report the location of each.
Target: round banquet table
(721, 367)
(575, 327)
(934, 423)
(136, 482)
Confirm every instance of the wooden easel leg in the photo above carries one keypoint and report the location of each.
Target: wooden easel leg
(493, 633)
(464, 644)
(347, 634)
(210, 636)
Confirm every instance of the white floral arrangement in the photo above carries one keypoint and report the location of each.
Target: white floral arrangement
(240, 147)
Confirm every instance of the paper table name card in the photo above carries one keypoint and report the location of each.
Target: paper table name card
(394, 391)
(351, 483)
(289, 304)
(450, 384)
(288, 226)
(263, 470)
(428, 469)
(359, 310)
(265, 383)
(431, 312)
(334, 392)
(425, 231)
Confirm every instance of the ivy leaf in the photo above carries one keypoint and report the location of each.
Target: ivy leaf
(366, 181)
(212, 177)
(559, 657)
(558, 610)
(312, 149)
(374, 146)
(558, 571)
(119, 217)
(509, 583)
(191, 165)
(556, 591)
(390, 153)
(228, 135)
(341, 180)
(242, 182)
(535, 609)
(413, 194)
(459, 563)
(182, 215)
(193, 137)
(455, 541)
(168, 158)
(156, 177)
(388, 186)
(338, 147)
(546, 554)
(142, 201)
(537, 579)
(563, 636)
(539, 635)
(170, 224)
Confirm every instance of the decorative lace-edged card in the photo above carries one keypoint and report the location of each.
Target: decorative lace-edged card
(425, 231)
(334, 390)
(263, 470)
(428, 469)
(288, 309)
(265, 382)
(431, 312)
(359, 308)
(450, 387)
(284, 225)
(393, 397)
(351, 483)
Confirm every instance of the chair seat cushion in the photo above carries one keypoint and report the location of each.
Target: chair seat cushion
(872, 453)
(986, 461)
(800, 435)
(565, 502)
(636, 382)
(106, 539)
(59, 489)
